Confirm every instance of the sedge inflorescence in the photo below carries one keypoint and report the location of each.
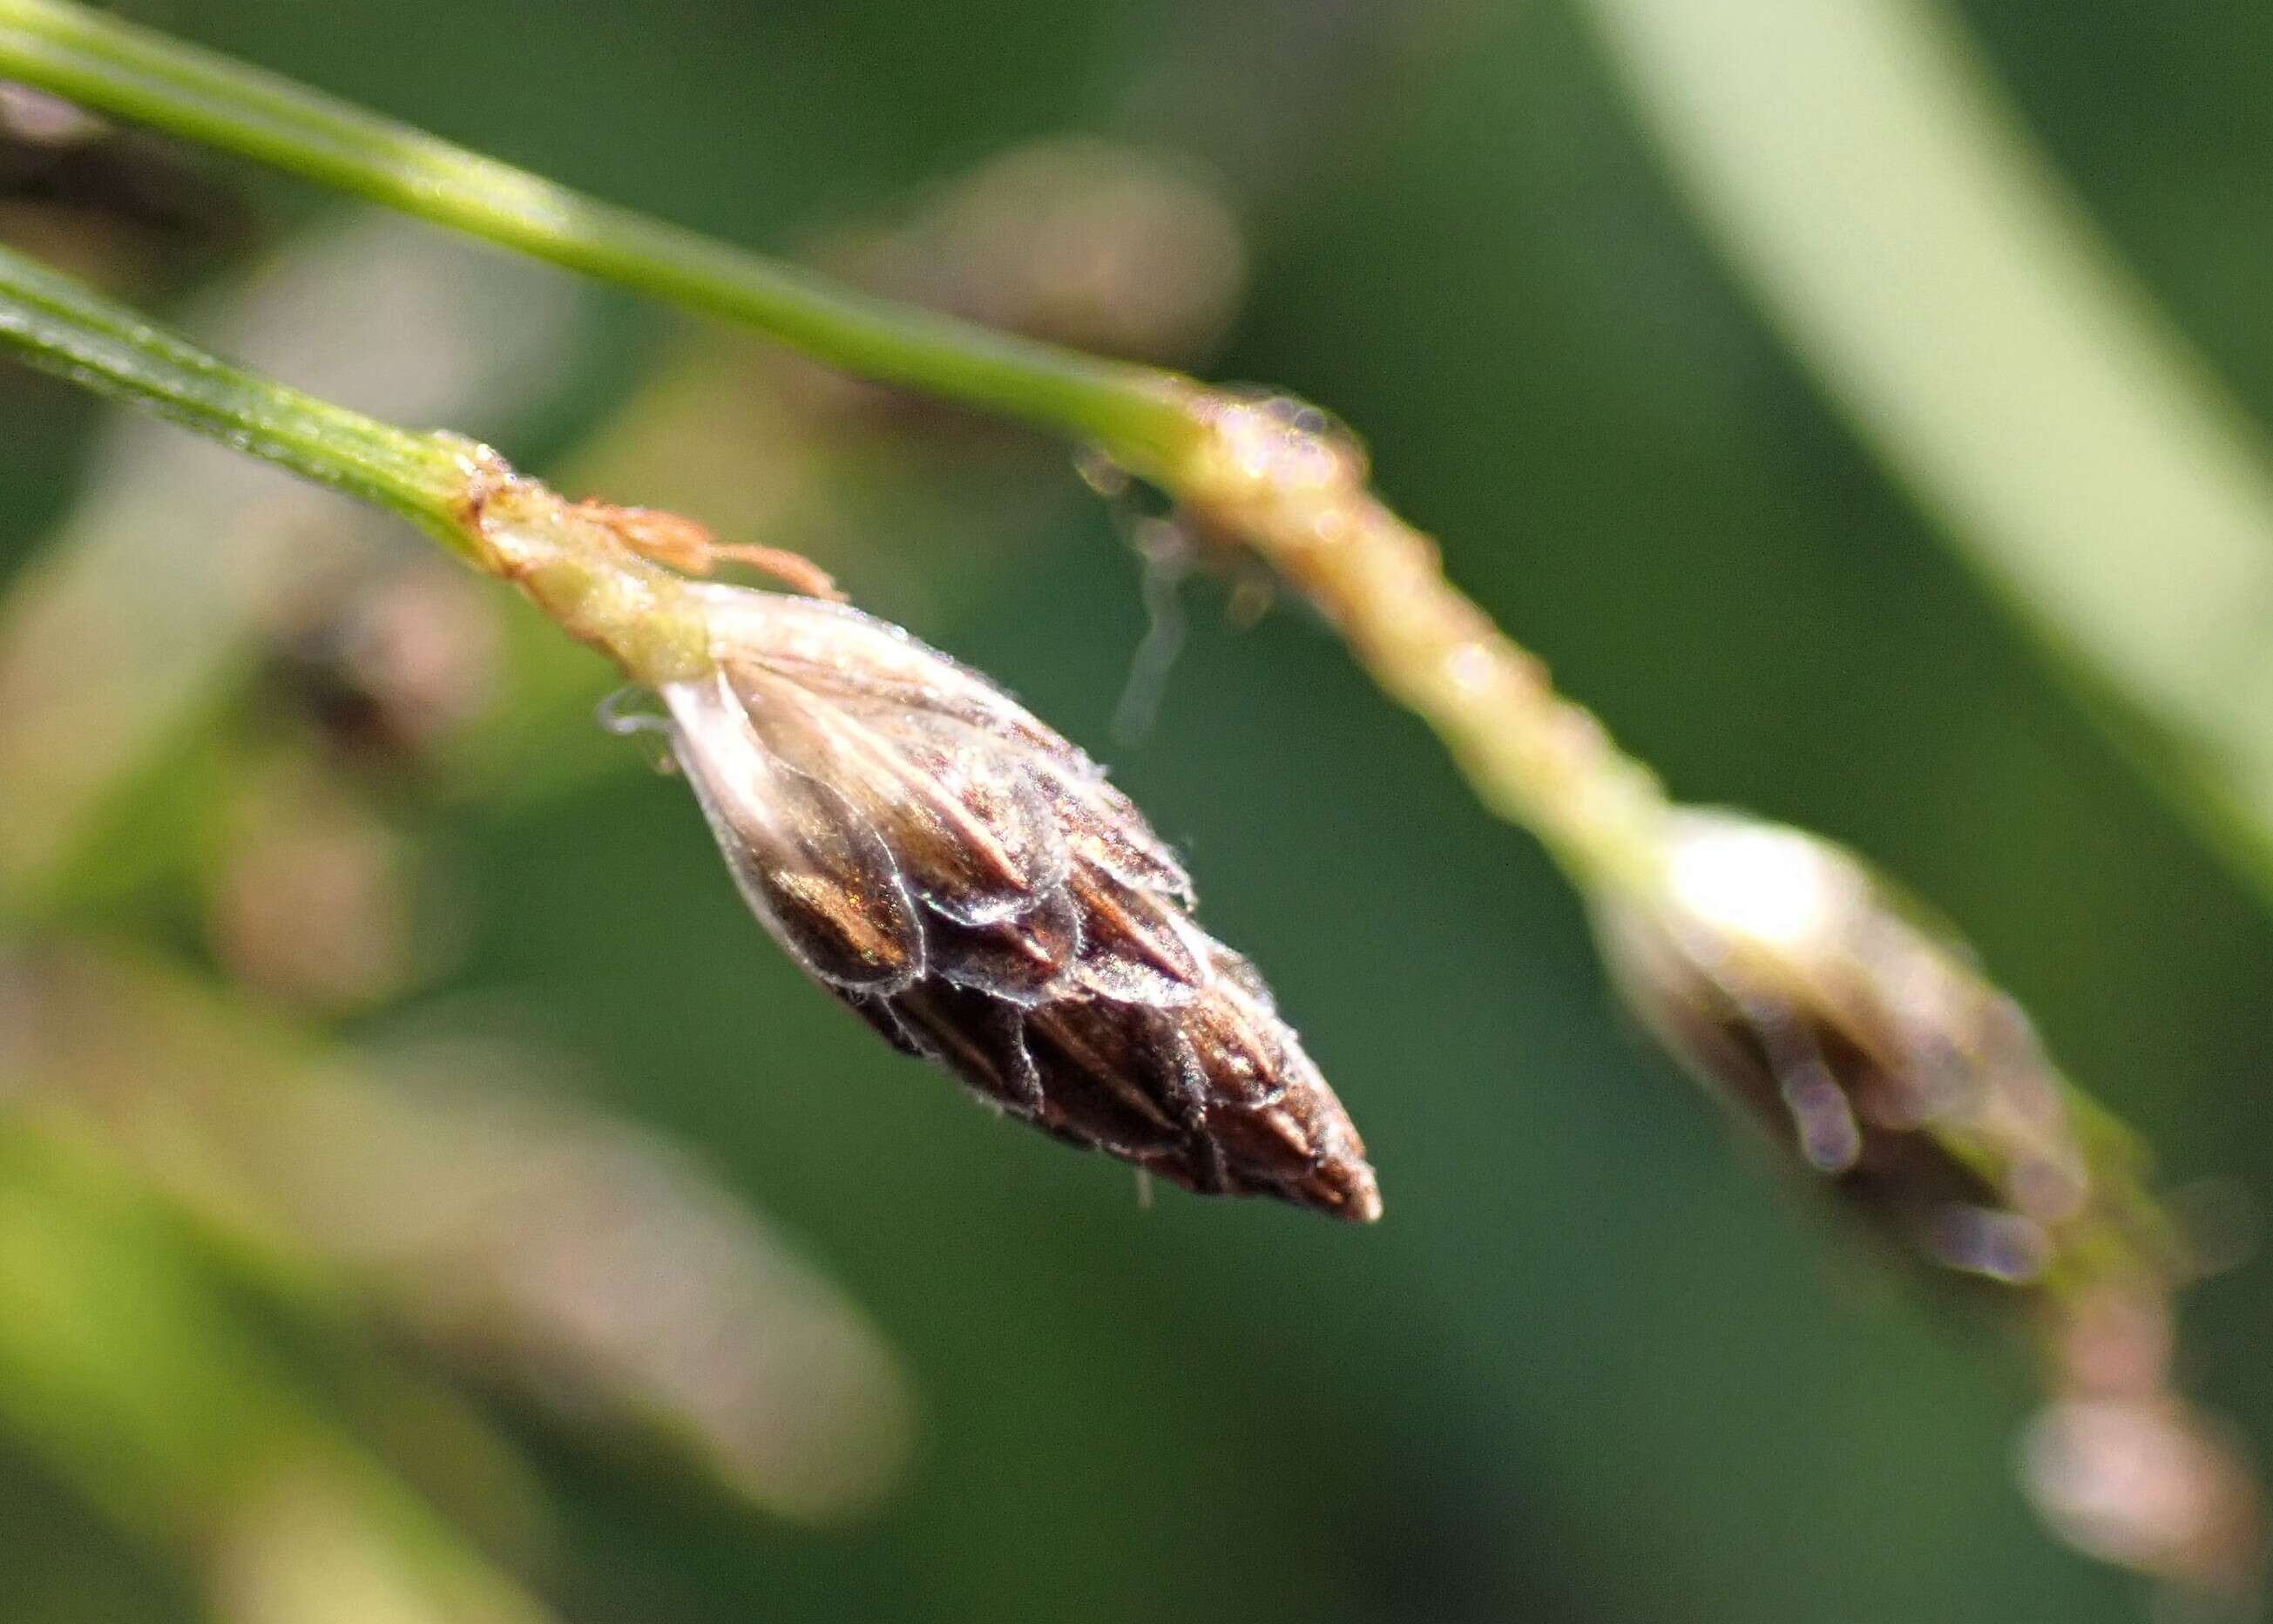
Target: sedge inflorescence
(954, 870)
(971, 883)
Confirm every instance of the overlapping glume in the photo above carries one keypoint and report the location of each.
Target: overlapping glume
(970, 884)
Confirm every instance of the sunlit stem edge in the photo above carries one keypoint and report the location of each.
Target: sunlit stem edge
(570, 559)
(1158, 425)
(60, 325)
(150, 78)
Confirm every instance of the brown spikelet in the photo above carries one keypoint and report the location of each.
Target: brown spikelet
(968, 881)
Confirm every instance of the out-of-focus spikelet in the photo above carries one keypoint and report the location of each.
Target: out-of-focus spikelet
(1782, 971)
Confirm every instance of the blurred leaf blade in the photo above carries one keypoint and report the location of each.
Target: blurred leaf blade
(1856, 163)
(448, 1189)
(139, 1380)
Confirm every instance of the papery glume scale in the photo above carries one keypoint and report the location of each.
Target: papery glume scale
(970, 884)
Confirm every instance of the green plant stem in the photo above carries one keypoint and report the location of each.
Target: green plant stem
(1135, 413)
(569, 559)
(1293, 495)
(63, 327)
(1254, 479)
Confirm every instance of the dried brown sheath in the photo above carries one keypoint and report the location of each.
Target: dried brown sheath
(969, 882)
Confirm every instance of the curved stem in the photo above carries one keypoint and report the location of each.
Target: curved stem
(1274, 478)
(1242, 469)
(147, 77)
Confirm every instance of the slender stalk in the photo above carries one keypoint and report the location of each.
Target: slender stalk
(145, 76)
(1245, 470)
(581, 562)
(66, 327)
(1274, 476)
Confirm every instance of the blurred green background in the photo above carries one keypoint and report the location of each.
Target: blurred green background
(1598, 1362)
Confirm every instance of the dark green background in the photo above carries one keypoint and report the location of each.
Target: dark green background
(1594, 1365)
